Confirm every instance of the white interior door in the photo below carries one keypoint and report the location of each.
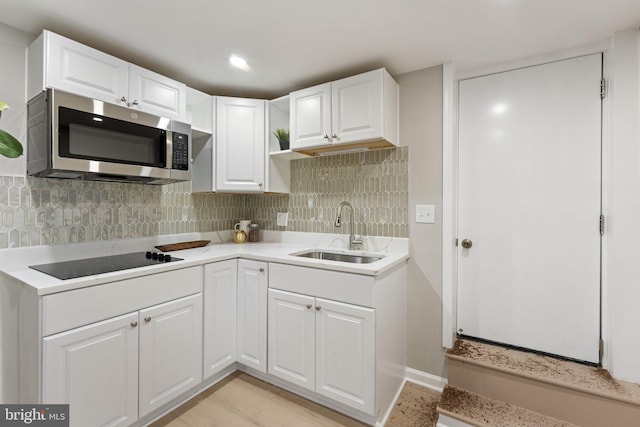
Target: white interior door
(529, 204)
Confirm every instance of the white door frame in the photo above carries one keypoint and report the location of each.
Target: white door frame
(451, 75)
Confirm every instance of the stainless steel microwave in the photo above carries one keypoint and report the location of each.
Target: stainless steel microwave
(70, 136)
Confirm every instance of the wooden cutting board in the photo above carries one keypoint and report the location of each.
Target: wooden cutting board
(182, 245)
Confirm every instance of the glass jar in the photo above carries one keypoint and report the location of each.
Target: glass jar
(254, 233)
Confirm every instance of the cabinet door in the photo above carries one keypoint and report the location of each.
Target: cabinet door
(95, 370)
(310, 111)
(292, 338)
(156, 94)
(240, 146)
(252, 314)
(357, 107)
(219, 341)
(170, 351)
(345, 354)
(79, 69)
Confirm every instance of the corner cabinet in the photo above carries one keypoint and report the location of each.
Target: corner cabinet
(58, 62)
(220, 312)
(351, 113)
(251, 339)
(240, 144)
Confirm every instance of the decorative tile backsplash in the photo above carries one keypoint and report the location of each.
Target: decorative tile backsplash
(43, 211)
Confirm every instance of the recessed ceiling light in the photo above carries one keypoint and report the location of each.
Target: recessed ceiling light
(238, 62)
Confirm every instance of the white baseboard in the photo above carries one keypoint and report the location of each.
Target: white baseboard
(426, 379)
(446, 421)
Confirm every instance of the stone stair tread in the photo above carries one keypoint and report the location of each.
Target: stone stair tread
(482, 411)
(565, 373)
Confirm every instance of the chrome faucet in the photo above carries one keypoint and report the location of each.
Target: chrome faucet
(354, 243)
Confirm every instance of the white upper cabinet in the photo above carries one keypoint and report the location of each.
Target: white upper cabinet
(57, 62)
(240, 144)
(358, 111)
(156, 94)
(310, 111)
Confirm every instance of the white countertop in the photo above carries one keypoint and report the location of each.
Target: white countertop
(275, 247)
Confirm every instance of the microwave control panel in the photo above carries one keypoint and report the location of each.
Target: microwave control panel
(180, 151)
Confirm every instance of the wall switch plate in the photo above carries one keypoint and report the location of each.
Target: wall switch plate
(426, 214)
(282, 219)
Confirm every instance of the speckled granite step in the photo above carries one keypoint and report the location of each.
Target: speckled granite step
(565, 390)
(476, 410)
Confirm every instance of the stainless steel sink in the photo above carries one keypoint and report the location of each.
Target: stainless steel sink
(336, 256)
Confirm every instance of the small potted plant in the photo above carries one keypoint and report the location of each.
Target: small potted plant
(283, 138)
(9, 146)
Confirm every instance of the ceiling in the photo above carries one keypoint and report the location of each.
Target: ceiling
(291, 44)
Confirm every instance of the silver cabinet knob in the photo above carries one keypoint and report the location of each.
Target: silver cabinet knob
(309, 306)
(261, 270)
(334, 136)
(326, 136)
(467, 243)
(147, 319)
(135, 102)
(318, 308)
(123, 99)
(134, 324)
(260, 184)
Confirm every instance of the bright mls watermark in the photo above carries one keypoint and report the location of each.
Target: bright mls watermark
(34, 415)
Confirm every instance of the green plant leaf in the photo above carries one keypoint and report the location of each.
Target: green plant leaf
(9, 146)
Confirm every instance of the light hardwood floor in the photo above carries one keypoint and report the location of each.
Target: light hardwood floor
(241, 400)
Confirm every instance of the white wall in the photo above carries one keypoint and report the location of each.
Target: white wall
(622, 254)
(13, 44)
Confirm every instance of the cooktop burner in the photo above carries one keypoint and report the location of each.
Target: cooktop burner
(105, 264)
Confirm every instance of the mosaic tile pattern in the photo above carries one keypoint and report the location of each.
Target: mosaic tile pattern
(374, 182)
(43, 211)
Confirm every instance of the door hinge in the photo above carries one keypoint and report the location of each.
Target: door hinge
(603, 88)
(601, 225)
(601, 350)
(456, 242)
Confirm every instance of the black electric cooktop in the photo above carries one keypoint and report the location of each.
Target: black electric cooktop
(105, 264)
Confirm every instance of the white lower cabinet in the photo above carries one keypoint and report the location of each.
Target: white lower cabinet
(220, 311)
(324, 346)
(95, 369)
(115, 371)
(170, 351)
(251, 340)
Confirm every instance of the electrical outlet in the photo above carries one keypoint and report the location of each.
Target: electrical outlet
(282, 219)
(426, 214)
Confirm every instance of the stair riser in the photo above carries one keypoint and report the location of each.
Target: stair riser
(556, 401)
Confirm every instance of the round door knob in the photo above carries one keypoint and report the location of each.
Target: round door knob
(326, 136)
(309, 306)
(261, 270)
(334, 136)
(147, 319)
(134, 324)
(318, 308)
(123, 99)
(467, 243)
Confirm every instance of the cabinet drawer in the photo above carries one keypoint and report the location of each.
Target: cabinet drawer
(346, 287)
(67, 310)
